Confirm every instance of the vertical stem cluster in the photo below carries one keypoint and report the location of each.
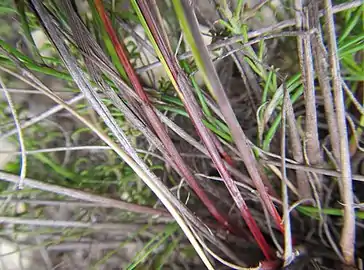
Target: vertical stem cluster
(305, 57)
(348, 232)
(183, 88)
(148, 110)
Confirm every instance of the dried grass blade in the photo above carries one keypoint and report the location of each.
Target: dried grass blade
(320, 62)
(155, 122)
(20, 6)
(190, 26)
(163, 193)
(297, 151)
(306, 65)
(183, 87)
(347, 241)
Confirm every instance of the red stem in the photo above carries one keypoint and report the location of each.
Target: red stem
(195, 114)
(174, 158)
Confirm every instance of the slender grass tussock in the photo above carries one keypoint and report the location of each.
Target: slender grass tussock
(178, 135)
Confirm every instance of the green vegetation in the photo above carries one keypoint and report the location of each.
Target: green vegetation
(115, 142)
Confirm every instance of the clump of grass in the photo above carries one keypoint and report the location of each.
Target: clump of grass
(133, 159)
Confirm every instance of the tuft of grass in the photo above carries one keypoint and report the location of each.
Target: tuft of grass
(149, 164)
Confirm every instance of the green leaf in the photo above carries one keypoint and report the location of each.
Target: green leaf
(310, 211)
(20, 6)
(152, 245)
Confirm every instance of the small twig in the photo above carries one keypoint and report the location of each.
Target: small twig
(256, 33)
(292, 22)
(65, 202)
(44, 253)
(233, 266)
(298, 203)
(81, 195)
(326, 225)
(297, 152)
(74, 245)
(165, 193)
(354, 132)
(31, 91)
(322, 221)
(213, 83)
(277, 172)
(41, 116)
(320, 62)
(357, 104)
(74, 224)
(178, 44)
(251, 12)
(313, 169)
(239, 184)
(76, 148)
(178, 211)
(288, 255)
(306, 65)
(247, 75)
(153, 120)
(23, 169)
(347, 241)
(271, 232)
(242, 44)
(143, 42)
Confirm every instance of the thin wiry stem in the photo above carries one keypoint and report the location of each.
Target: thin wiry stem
(155, 122)
(271, 232)
(326, 225)
(75, 148)
(191, 218)
(347, 241)
(160, 190)
(172, 204)
(65, 202)
(352, 98)
(241, 47)
(214, 84)
(23, 169)
(41, 116)
(242, 185)
(237, 267)
(306, 65)
(81, 195)
(277, 172)
(188, 138)
(297, 152)
(182, 86)
(71, 224)
(322, 222)
(44, 253)
(353, 131)
(298, 203)
(252, 11)
(30, 91)
(320, 61)
(247, 75)
(292, 22)
(74, 245)
(288, 255)
(293, 165)
(313, 169)
(253, 34)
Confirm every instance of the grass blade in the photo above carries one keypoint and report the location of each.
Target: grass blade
(155, 122)
(190, 26)
(183, 88)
